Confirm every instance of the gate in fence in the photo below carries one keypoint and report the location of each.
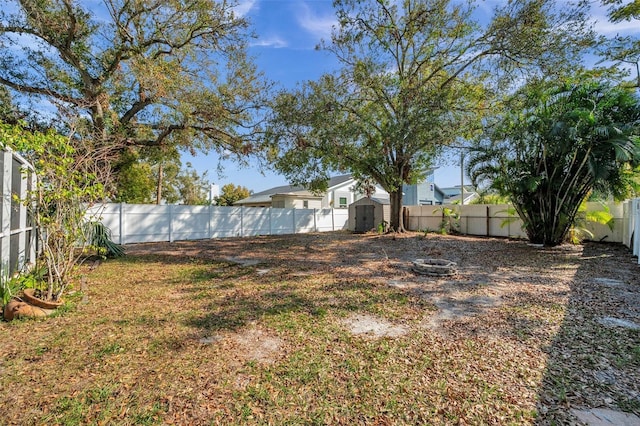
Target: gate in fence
(17, 233)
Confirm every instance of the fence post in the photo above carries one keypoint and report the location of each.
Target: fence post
(170, 223)
(315, 221)
(333, 219)
(121, 221)
(488, 222)
(209, 225)
(34, 229)
(22, 218)
(270, 221)
(294, 220)
(5, 231)
(242, 221)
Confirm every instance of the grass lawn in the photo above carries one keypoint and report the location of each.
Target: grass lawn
(332, 329)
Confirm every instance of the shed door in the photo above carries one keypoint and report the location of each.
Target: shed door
(364, 218)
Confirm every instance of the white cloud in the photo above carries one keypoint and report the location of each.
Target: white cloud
(244, 6)
(604, 27)
(319, 26)
(271, 41)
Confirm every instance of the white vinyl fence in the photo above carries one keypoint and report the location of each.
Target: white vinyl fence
(17, 234)
(135, 223)
(501, 221)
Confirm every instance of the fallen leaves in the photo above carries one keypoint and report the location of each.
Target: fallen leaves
(176, 334)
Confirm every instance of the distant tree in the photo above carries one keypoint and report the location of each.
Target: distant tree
(230, 194)
(135, 184)
(490, 196)
(623, 49)
(135, 73)
(562, 144)
(414, 77)
(192, 187)
(8, 113)
(155, 180)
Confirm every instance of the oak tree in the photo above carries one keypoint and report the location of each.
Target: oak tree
(125, 74)
(414, 77)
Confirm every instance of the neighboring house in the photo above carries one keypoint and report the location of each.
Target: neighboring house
(423, 193)
(452, 194)
(339, 195)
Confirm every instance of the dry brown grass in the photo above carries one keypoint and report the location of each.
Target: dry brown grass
(182, 334)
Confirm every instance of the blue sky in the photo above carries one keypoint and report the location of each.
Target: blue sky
(287, 33)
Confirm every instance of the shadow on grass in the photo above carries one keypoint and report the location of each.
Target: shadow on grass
(591, 365)
(237, 311)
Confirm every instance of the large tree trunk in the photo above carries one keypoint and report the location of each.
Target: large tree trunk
(397, 222)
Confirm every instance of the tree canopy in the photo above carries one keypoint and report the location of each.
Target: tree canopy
(415, 76)
(623, 49)
(125, 74)
(230, 194)
(561, 144)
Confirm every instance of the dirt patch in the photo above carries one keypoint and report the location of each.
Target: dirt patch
(254, 344)
(368, 325)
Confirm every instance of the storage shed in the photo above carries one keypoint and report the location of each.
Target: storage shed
(367, 213)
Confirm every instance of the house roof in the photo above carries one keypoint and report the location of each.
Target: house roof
(265, 196)
(299, 194)
(468, 197)
(384, 201)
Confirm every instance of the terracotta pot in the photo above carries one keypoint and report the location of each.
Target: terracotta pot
(45, 304)
(19, 309)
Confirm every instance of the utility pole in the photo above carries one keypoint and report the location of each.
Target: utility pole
(461, 177)
(159, 188)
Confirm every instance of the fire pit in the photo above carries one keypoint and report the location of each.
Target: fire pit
(434, 267)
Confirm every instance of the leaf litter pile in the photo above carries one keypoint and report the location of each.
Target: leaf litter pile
(333, 329)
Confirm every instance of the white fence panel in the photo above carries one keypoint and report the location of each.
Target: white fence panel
(225, 223)
(504, 222)
(422, 218)
(134, 223)
(325, 219)
(256, 221)
(282, 221)
(17, 234)
(341, 219)
(109, 215)
(602, 232)
(147, 223)
(189, 222)
(305, 220)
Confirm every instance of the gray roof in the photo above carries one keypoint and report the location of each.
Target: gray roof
(384, 201)
(265, 196)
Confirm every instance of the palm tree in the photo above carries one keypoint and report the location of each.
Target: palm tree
(560, 146)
